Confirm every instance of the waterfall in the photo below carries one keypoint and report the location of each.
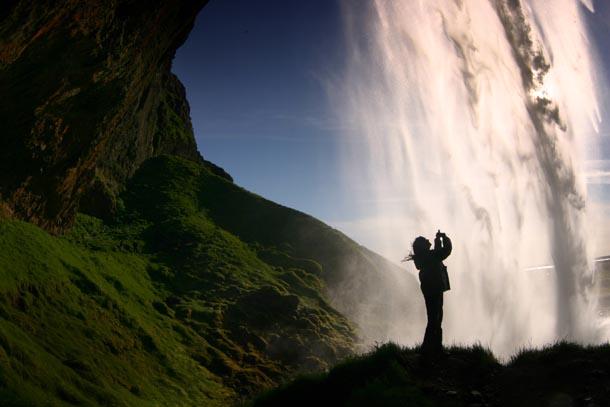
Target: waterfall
(472, 117)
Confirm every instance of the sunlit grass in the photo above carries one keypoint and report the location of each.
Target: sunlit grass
(188, 297)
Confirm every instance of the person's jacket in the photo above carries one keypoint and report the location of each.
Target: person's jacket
(432, 271)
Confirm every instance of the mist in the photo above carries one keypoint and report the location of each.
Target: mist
(472, 117)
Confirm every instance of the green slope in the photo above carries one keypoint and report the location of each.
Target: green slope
(78, 326)
(197, 293)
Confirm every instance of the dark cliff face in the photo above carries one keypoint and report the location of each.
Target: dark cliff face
(87, 96)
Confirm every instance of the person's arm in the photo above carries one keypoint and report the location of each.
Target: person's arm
(442, 251)
(437, 242)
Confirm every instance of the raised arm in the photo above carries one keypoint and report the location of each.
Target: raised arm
(442, 250)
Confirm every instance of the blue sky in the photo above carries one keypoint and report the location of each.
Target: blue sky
(257, 75)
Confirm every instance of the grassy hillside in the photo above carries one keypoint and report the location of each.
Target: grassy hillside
(560, 375)
(197, 293)
(78, 326)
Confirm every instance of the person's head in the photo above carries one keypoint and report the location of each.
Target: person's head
(421, 245)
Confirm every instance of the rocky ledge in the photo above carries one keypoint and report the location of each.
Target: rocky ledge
(87, 97)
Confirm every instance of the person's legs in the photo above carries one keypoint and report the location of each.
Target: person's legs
(429, 336)
(433, 338)
(439, 322)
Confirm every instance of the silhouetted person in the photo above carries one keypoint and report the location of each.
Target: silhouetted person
(434, 281)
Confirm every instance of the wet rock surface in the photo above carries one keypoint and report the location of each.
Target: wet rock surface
(88, 96)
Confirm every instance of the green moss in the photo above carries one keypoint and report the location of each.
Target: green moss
(166, 304)
(77, 326)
